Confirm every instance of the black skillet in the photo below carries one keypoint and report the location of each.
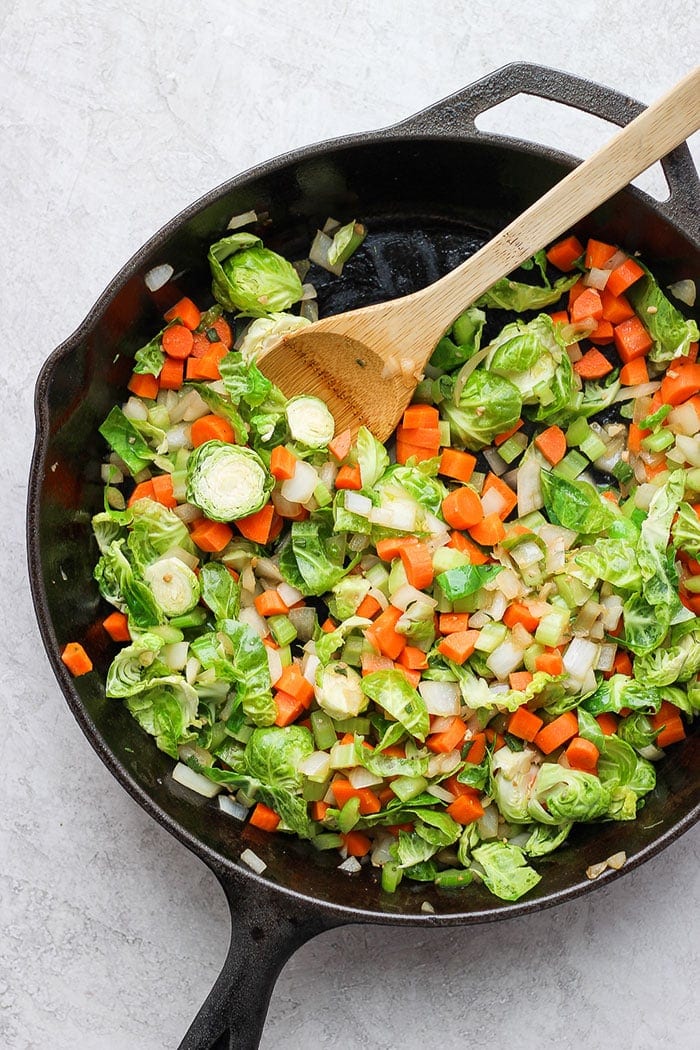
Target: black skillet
(431, 189)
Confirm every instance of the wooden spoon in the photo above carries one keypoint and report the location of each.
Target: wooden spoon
(365, 363)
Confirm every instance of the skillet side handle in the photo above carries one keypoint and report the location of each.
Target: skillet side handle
(266, 930)
(458, 113)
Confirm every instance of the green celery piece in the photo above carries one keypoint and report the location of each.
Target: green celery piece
(328, 840)
(593, 447)
(349, 815)
(283, 630)
(314, 790)
(454, 878)
(570, 466)
(323, 730)
(513, 447)
(391, 877)
(406, 788)
(578, 431)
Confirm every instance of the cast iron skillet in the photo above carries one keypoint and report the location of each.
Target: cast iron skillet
(431, 190)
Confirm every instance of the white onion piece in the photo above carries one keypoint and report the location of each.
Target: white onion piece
(596, 278)
(289, 595)
(158, 277)
(438, 765)
(356, 503)
(284, 506)
(526, 554)
(252, 617)
(190, 560)
(178, 437)
(318, 253)
(616, 260)
(684, 291)
(521, 636)
(310, 665)
(405, 595)
(135, 409)
(690, 447)
(441, 724)
(479, 619)
(380, 850)
(174, 655)
(651, 753)
(351, 866)
(504, 659)
(574, 352)
(274, 663)
(192, 669)
(182, 774)
(606, 657)
(253, 861)
(436, 527)
(398, 514)
(300, 487)
(360, 777)
(440, 793)
(685, 419)
(497, 605)
(328, 472)
(641, 390)
(244, 218)
(379, 596)
(309, 310)
(307, 292)
(497, 464)
(232, 808)
(555, 534)
(580, 658)
(193, 407)
(317, 764)
(441, 698)
(612, 606)
(269, 570)
(529, 489)
(111, 474)
(487, 825)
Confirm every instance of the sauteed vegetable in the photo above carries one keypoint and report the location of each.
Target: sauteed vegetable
(434, 658)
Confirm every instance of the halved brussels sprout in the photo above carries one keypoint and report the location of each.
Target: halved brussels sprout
(175, 587)
(250, 278)
(310, 421)
(227, 481)
(340, 691)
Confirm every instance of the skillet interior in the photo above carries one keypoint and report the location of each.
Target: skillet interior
(428, 203)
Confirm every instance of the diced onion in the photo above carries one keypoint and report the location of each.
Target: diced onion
(300, 487)
(406, 595)
(350, 866)
(318, 253)
(309, 310)
(360, 777)
(289, 595)
(158, 277)
(529, 489)
(690, 447)
(498, 466)
(252, 617)
(307, 292)
(253, 861)
(317, 764)
(190, 560)
(397, 514)
(641, 390)
(617, 860)
(380, 596)
(685, 419)
(174, 655)
(441, 698)
(487, 825)
(684, 291)
(178, 437)
(356, 503)
(440, 793)
(441, 764)
(274, 662)
(526, 554)
(596, 278)
(244, 218)
(195, 781)
(310, 665)
(441, 724)
(616, 260)
(606, 657)
(189, 408)
(135, 409)
(187, 512)
(284, 506)
(233, 808)
(504, 659)
(580, 658)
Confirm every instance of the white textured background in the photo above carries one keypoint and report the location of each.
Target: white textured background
(114, 115)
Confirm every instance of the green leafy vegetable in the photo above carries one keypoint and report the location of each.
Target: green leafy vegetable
(487, 406)
(168, 711)
(451, 353)
(686, 531)
(252, 672)
(560, 794)
(250, 278)
(504, 870)
(466, 579)
(372, 458)
(220, 591)
(123, 437)
(574, 504)
(399, 699)
(273, 755)
(671, 332)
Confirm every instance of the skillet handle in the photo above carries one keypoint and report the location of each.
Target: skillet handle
(266, 930)
(458, 112)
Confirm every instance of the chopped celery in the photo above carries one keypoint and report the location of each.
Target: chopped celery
(377, 576)
(360, 726)
(446, 558)
(397, 576)
(406, 788)
(314, 790)
(352, 651)
(572, 591)
(168, 633)
(285, 654)
(195, 618)
(469, 604)
(593, 447)
(655, 419)
(283, 630)
(343, 756)
(532, 521)
(391, 877)
(513, 447)
(490, 637)
(530, 656)
(578, 432)
(323, 729)
(327, 840)
(444, 428)
(349, 815)
(622, 471)
(477, 481)
(571, 466)
(453, 878)
(552, 627)
(659, 441)
(322, 495)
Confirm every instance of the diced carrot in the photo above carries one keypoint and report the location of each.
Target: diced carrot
(319, 810)
(497, 739)
(616, 308)
(206, 367)
(184, 311)
(420, 416)
(456, 464)
(264, 818)
(383, 636)
(144, 386)
(597, 254)
(602, 334)
(372, 662)
(634, 372)
(211, 536)
(462, 508)
(557, 732)
(500, 439)
(293, 682)
(368, 607)
(448, 740)
(459, 646)
(391, 547)
(269, 603)
(692, 354)
(420, 437)
(456, 787)
(518, 612)
(624, 276)
(212, 428)
(404, 452)
(357, 843)
(465, 809)
(593, 365)
(505, 493)
(576, 289)
(413, 658)
(412, 677)
(223, 330)
(552, 444)
(117, 627)
(343, 791)
(200, 345)
(489, 531)
(177, 342)
(163, 490)
(560, 317)
(587, 304)
(632, 339)
(418, 565)
(691, 601)
(327, 626)
(681, 382)
(564, 253)
(349, 478)
(582, 754)
(524, 724)
(477, 751)
(669, 721)
(607, 723)
(76, 659)
(262, 527)
(451, 623)
(171, 374)
(288, 708)
(460, 543)
(634, 437)
(519, 680)
(282, 463)
(550, 663)
(340, 445)
(144, 490)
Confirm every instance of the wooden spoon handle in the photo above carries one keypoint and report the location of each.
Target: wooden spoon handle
(650, 136)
